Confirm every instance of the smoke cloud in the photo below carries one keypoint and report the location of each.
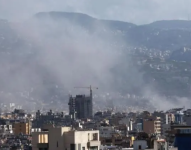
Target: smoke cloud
(57, 55)
(61, 55)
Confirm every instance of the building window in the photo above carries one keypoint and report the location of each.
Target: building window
(79, 146)
(95, 136)
(72, 146)
(139, 146)
(57, 144)
(93, 148)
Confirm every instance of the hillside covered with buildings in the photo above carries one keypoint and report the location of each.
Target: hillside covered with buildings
(44, 57)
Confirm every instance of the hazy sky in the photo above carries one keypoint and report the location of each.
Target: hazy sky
(136, 11)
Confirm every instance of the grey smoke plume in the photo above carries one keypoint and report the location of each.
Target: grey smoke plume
(161, 102)
(61, 55)
(69, 55)
(73, 55)
(66, 55)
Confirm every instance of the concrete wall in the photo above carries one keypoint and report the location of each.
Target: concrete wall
(34, 140)
(62, 138)
(165, 127)
(80, 139)
(124, 121)
(39, 137)
(148, 126)
(83, 137)
(68, 138)
(21, 128)
(56, 141)
(106, 131)
(187, 119)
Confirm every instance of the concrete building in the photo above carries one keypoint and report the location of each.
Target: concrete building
(139, 144)
(187, 112)
(64, 138)
(152, 126)
(117, 140)
(169, 118)
(161, 144)
(187, 120)
(49, 117)
(124, 121)
(82, 140)
(6, 130)
(165, 128)
(183, 138)
(106, 132)
(81, 106)
(40, 140)
(139, 127)
(178, 115)
(22, 127)
(128, 122)
(179, 118)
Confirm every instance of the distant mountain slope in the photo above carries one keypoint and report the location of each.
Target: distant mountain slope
(22, 63)
(171, 24)
(163, 35)
(183, 54)
(85, 20)
(159, 38)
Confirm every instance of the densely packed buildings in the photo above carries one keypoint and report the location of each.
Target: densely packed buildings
(105, 130)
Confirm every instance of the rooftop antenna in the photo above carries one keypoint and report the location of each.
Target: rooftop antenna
(90, 88)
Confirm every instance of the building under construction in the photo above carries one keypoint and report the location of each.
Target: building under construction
(81, 106)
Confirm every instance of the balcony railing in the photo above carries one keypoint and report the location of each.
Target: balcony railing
(93, 143)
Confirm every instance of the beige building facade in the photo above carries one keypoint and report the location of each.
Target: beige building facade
(170, 118)
(152, 125)
(64, 138)
(40, 140)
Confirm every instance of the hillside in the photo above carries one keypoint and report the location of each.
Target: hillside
(43, 58)
(84, 20)
(182, 54)
(171, 24)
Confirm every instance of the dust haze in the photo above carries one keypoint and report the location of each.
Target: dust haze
(58, 56)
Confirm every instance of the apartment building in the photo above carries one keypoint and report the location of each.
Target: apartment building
(81, 106)
(106, 132)
(64, 138)
(170, 118)
(21, 127)
(152, 125)
(6, 129)
(40, 140)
